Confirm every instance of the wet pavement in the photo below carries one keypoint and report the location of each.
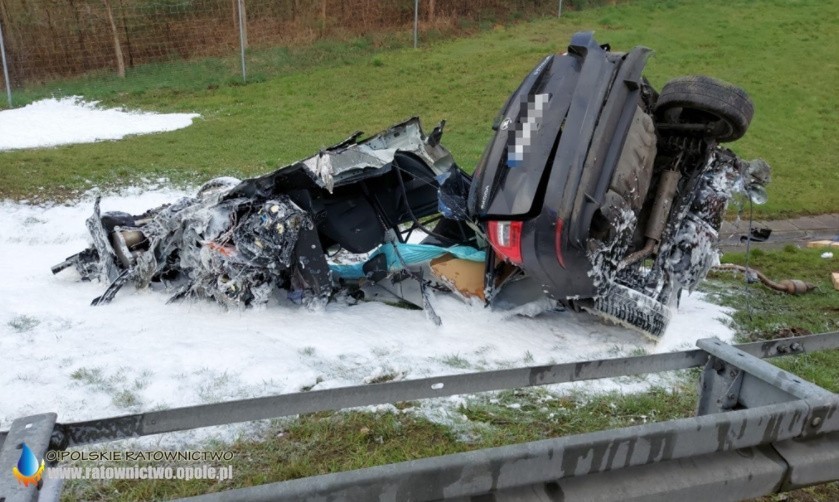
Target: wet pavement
(792, 231)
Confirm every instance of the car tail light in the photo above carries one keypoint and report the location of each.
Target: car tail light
(558, 242)
(505, 237)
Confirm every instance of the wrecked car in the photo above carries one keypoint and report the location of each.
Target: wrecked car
(237, 241)
(595, 192)
(604, 194)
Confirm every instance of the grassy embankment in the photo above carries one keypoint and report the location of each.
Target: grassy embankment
(781, 52)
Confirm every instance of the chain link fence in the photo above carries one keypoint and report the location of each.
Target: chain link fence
(55, 40)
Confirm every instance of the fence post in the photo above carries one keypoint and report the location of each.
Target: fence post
(5, 68)
(115, 35)
(416, 21)
(242, 43)
(559, 12)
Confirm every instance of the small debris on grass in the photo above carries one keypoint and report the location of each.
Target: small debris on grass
(790, 286)
(823, 244)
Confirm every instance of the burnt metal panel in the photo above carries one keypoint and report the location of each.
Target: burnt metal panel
(99, 431)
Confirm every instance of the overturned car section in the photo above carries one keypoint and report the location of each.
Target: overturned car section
(604, 194)
(595, 192)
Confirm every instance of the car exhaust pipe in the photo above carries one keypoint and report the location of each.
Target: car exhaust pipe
(658, 217)
(638, 255)
(61, 266)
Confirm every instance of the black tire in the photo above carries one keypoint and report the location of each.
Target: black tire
(631, 308)
(726, 110)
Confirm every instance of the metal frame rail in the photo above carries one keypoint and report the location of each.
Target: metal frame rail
(758, 430)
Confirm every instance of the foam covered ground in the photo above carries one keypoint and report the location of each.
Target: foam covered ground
(53, 122)
(60, 354)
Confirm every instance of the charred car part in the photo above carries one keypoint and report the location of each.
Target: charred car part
(603, 194)
(237, 241)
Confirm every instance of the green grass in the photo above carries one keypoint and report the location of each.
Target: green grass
(767, 313)
(764, 314)
(782, 52)
(322, 443)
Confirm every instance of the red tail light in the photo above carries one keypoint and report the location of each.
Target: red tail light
(505, 237)
(558, 242)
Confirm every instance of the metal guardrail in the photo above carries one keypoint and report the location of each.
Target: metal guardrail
(754, 419)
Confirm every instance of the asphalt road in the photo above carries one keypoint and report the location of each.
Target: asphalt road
(792, 231)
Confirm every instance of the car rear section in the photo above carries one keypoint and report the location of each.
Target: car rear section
(560, 178)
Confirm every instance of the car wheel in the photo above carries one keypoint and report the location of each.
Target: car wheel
(633, 309)
(723, 111)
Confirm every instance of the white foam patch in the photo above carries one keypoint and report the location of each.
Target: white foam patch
(59, 354)
(53, 122)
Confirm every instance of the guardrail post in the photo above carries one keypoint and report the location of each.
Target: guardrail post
(416, 22)
(719, 387)
(240, 7)
(733, 378)
(35, 431)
